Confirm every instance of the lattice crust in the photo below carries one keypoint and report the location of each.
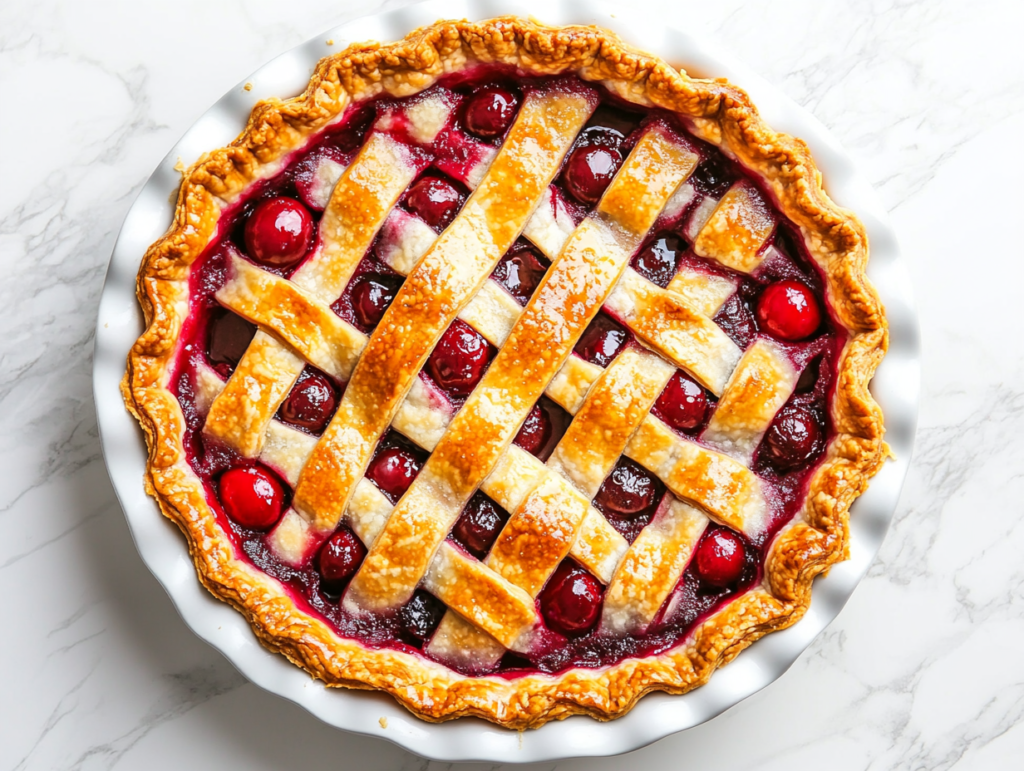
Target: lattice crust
(360, 202)
(445, 279)
(491, 602)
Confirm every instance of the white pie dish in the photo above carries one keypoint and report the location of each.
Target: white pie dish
(120, 322)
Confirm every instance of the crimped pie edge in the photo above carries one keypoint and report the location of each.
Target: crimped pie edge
(716, 112)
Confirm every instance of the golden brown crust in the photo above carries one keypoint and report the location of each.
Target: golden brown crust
(715, 111)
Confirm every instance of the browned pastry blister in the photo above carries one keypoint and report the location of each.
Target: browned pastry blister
(714, 111)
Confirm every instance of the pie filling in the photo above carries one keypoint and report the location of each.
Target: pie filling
(718, 244)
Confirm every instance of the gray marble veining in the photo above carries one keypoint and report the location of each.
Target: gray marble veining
(921, 670)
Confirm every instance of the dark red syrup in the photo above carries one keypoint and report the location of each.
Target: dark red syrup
(213, 337)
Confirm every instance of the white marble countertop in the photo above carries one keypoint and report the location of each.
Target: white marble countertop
(923, 667)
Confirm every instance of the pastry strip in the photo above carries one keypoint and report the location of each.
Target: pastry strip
(651, 568)
(679, 331)
(761, 384)
(723, 487)
(358, 206)
(307, 325)
(599, 547)
(568, 298)
(239, 416)
(543, 529)
(737, 230)
(443, 282)
(485, 598)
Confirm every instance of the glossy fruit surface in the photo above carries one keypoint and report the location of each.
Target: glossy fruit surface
(589, 171)
(279, 232)
(393, 470)
(459, 359)
(520, 274)
(571, 601)
(227, 337)
(720, 558)
(490, 111)
(371, 297)
(737, 320)
(436, 200)
(602, 341)
(629, 490)
(658, 260)
(713, 177)
(788, 310)
(683, 404)
(252, 496)
(311, 402)
(479, 525)
(793, 438)
(421, 615)
(535, 431)
(339, 559)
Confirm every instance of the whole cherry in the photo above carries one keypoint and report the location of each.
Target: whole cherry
(520, 274)
(278, 232)
(339, 559)
(589, 171)
(535, 431)
(628, 490)
(489, 111)
(311, 402)
(393, 470)
(436, 200)
(479, 525)
(459, 359)
(792, 439)
(683, 404)
(788, 310)
(602, 341)
(720, 558)
(658, 260)
(252, 496)
(421, 615)
(371, 297)
(571, 601)
(227, 337)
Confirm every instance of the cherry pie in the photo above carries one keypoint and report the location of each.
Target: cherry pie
(510, 371)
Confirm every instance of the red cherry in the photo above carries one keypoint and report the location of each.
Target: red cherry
(602, 341)
(590, 170)
(311, 402)
(459, 360)
(421, 615)
(713, 177)
(490, 111)
(339, 559)
(792, 439)
(571, 601)
(737, 320)
(683, 404)
(371, 297)
(279, 232)
(479, 525)
(252, 497)
(720, 558)
(788, 310)
(520, 274)
(227, 337)
(535, 431)
(658, 260)
(628, 490)
(436, 200)
(393, 471)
